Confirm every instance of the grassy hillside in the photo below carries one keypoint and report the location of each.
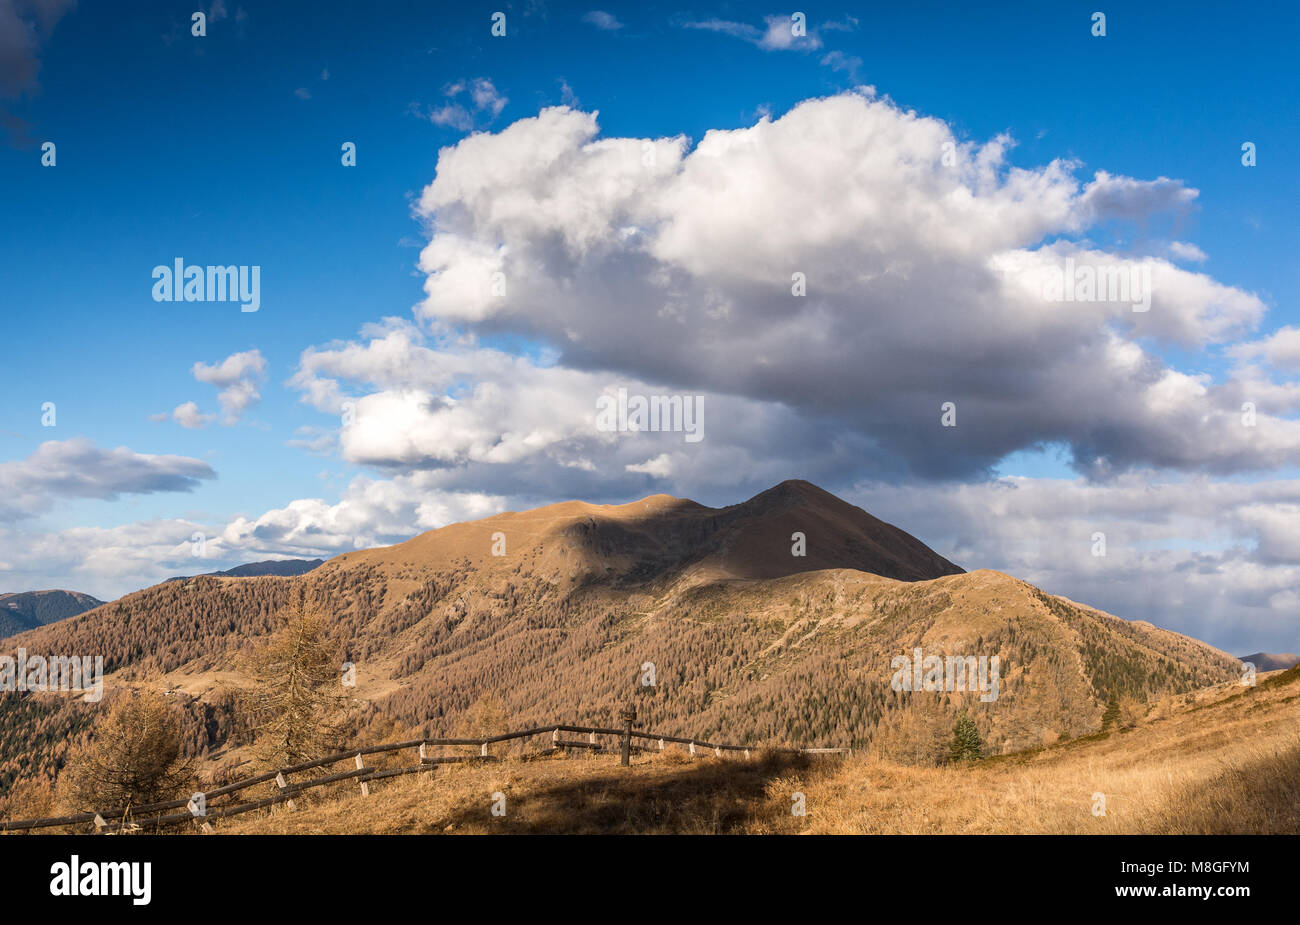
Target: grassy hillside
(1182, 770)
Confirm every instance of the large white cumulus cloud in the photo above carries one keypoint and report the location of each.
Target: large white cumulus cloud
(924, 259)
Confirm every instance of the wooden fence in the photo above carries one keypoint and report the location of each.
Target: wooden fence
(195, 808)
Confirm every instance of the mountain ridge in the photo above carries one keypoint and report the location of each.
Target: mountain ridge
(1272, 661)
(565, 610)
(281, 567)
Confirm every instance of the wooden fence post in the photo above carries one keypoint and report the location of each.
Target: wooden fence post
(284, 785)
(628, 715)
(365, 785)
(692, 749)
(483, 750)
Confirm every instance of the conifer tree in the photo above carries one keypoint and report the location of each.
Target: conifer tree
(133, 758)
(1111, 716)
(966, 742)
(299, 699)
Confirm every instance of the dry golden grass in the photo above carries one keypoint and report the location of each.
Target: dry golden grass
(580, 795)
(1228, 762)
(1230, 765)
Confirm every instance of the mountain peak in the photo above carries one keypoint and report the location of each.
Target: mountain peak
(792, 527)
(795, 491)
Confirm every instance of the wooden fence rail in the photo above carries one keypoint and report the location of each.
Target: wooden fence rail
(140, 816)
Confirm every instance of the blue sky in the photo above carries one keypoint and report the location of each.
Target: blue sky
(225, 149)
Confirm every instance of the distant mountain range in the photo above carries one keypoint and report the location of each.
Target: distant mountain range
(25, 610)
(284, 568)
(1272, 661)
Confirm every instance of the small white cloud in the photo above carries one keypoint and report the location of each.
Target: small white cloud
(188, 416)
(779, 36)
(661, 466)
(302, 93)
(452, 116)
(486, 98)
(484, 102)
(1182, 250)
(839, 61)
(237, 376)
(776, 34)
(602, 20)
(230, 370)
(737, 30)
(847, 24)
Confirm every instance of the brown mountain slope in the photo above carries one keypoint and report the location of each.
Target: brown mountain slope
(661, 538)
(743, 640)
